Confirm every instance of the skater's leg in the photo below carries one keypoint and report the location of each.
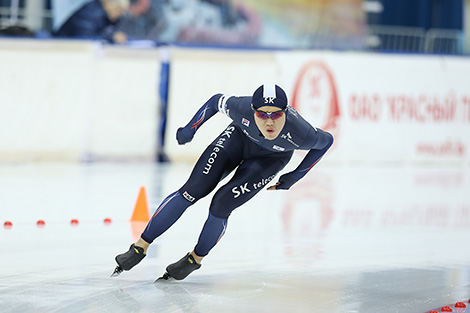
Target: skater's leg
(169, 211)
(213, 165)
(143, 244)
(214, 227)
(213, 230)
(166, 215)
(216, 162)
(252, 176)
(249, 179)
(196, 257)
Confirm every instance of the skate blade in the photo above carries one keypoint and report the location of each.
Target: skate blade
(165, 276)
(117, 271)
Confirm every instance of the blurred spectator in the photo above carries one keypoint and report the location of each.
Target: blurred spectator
(96, 19)
(195, 21)
(63, 9)
(139, 7)
(145, 20)
(222, 22)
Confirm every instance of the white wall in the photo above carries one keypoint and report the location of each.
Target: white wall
(75, 100)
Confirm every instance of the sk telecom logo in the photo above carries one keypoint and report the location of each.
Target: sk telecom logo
(315, 96)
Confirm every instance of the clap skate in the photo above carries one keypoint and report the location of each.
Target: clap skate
(128, 260)
(181, 269)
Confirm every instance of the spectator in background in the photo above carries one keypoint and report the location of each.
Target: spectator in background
(63, 9)
(139, 7)
(212, 21)
(193, 21)
(96, 19)
(145, 20)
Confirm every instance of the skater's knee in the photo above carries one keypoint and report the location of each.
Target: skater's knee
(223, 203)
(220, 210)
(193, 192)
(189, 196)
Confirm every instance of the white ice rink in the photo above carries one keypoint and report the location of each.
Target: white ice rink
(345, 240)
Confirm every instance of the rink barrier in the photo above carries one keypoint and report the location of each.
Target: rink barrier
(76, 101)
(86, 101)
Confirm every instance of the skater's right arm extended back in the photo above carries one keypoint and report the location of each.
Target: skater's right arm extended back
(210, 108)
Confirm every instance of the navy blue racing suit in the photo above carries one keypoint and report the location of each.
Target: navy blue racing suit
(241, 148)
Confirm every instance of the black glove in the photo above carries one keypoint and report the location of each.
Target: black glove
(285, 182)
(183, 137)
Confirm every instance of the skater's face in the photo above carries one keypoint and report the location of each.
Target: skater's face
(270, 121)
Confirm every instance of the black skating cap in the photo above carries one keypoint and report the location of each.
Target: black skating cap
(269, 95)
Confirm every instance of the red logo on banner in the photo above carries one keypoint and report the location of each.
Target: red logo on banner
(315, 96)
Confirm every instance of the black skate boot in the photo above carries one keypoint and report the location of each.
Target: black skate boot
(128, 260)
(181, 269)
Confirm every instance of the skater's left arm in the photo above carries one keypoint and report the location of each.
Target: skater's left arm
(322, 145)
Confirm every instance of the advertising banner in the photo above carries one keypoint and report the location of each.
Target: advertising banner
(393, 108)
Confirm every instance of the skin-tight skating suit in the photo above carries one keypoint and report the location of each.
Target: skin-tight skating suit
(241, 148)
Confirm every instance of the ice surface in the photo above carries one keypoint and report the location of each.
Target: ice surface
(365, 239)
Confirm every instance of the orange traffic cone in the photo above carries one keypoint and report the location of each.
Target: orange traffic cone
(141, 211)
(140, 217)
